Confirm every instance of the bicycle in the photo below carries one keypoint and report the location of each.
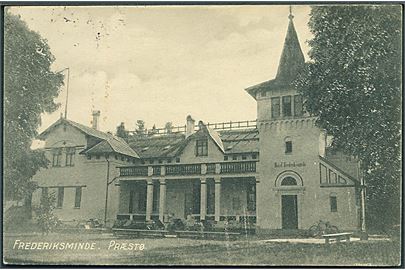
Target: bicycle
(321, 228)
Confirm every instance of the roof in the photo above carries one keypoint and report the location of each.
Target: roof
(291, 62)
(108, 143)
(171, 145)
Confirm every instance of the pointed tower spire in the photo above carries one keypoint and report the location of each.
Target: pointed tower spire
(292, 59)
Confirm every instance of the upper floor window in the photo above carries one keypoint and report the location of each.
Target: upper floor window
(202, 147)
(298, 110)
(275, 107)
(70, 155)
(57, 157)
(287, 106)
(288, 147)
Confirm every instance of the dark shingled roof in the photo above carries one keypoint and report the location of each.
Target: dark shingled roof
(291, 62)
(171, 145)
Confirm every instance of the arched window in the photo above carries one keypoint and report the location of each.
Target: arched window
(289, 181)
(288, 145)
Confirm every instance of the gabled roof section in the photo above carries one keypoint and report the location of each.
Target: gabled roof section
(215, 137)
(291, 62)
(156, 146)
(109, 143)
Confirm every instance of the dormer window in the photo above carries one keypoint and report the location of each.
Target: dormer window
(275, 107)
(202, 148)
(287, 106)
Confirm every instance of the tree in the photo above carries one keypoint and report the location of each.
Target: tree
(353, 85)
(169, 127)
(29, 90)
(121, 132)
(140, 127)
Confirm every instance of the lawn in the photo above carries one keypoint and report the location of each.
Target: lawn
(158, 251)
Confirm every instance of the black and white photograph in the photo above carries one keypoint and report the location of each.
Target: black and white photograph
(202, 134)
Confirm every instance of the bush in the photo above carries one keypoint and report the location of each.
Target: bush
(47, 221)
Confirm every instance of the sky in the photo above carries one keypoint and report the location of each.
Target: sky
(162, 63)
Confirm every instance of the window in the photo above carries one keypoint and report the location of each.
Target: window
(57, 157)
(169, 161)
(61, 194)
(78, 197)
(251, 197)
(226, 158)
(288, 147)
(44, 193)
(202, 148)
(155, 201)
(160, 161)
(298, 110)
(289, 181)
(142, 161)
(177, 160)
(254, 156)
(332, 177)
(244, 157)
(333, 203)
(151, 161)
(324, 176)
(70, 156)
(235, 157)
(287, 106)
(275, 107)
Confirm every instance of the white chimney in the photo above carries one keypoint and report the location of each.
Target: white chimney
(96, 115)
(189, 126)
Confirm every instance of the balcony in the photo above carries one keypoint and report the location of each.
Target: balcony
(240, 167)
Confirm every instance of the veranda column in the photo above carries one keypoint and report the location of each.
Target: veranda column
(149, 199)
(203, 199)
(217, 198)
(162, 199)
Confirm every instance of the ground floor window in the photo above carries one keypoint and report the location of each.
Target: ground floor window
(61, 194)
(78, 197)
(333, 203)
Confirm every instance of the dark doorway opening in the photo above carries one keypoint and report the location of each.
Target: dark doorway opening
(289, 212)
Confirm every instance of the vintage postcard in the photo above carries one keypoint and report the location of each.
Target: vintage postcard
(190, 134)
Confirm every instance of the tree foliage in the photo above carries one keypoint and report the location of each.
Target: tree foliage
(29, 90)
(353, 83)
(140, 127)
(44, 213)
(121, 131)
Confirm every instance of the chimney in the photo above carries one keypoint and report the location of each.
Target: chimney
(96, 115)
(189, 126)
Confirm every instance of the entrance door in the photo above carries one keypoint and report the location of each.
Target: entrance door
(289, 212)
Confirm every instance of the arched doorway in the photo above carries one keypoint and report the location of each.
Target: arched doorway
(288, 183)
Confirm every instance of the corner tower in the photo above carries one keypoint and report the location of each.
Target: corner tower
(289, 145)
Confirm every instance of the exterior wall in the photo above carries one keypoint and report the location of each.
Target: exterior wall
(233, 189)
(303, 163)
(89, 174)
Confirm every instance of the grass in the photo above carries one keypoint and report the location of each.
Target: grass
(164, 251)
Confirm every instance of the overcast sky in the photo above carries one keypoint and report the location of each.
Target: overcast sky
(160, 63)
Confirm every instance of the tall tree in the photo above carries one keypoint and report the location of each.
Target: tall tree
(29, 90)
(353, 83)
(140, 127)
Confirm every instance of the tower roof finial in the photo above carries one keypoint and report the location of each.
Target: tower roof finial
(290, 16)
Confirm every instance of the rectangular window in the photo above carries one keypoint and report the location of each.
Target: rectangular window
(275, 107)
(225, 158)
(57, 157)
(288, 147)
(298, 110)
(78, 197)
(70, 155)
(244, 157)
(44, 193)
(202, 148)
(287, 106)
(61, 194)
(333, 203)
(254, 156)
(177, 160)
(235, 157)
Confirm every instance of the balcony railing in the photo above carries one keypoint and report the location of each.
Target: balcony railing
(191, 169)
(186, 169)
(238, 167)
(134, 171)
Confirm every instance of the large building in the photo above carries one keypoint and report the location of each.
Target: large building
(275, 172)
